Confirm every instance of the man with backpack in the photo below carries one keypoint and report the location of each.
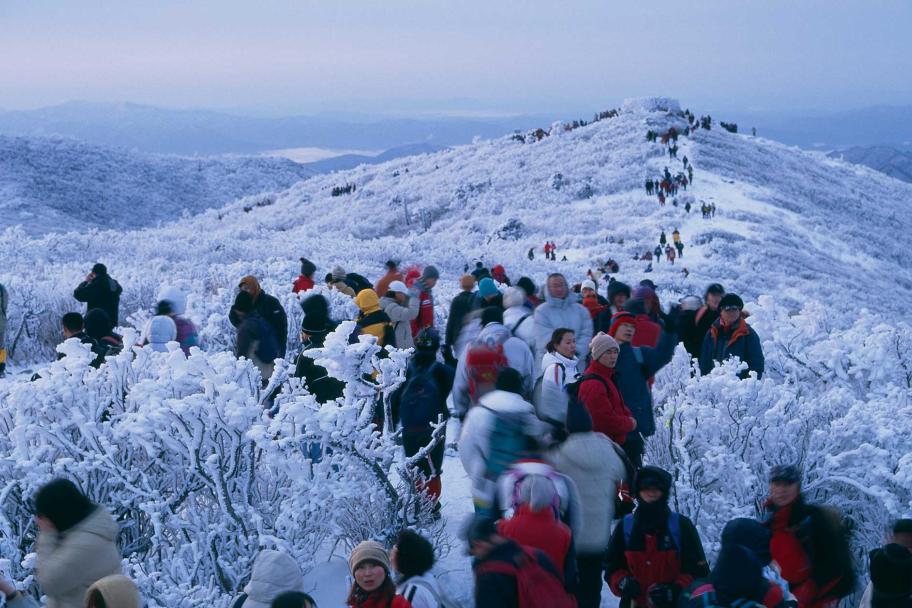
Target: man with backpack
(74, 327)
(419, 403)
(635, 366)
(401, 305)
(508, 575)
(485, 358)
(654, 553)
(268, 308)
(461, 305)
(809, 542)
(256, 338)
(599, 394)
(561, 309)
(497, 432)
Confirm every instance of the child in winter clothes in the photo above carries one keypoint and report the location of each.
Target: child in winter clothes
(412, 557)
(373, 587)
(654, 553)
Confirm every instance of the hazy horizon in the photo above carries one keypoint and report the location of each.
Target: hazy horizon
(421, 56)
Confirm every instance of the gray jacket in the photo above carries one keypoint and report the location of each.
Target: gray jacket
(402, 317)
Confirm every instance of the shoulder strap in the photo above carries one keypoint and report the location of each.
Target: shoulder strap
(585, 377)
(520, 322)
(628, 529)
(239, 602)
(427, 587)
(674, 526)
(638, 354)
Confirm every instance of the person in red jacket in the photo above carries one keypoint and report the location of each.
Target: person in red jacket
(535, 524)
(808, 544)
(599, 394)
(654, 553)
(373, 587)
(305, 280)
(425, 286)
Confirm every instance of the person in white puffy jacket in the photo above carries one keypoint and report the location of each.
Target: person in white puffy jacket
(517, 317)
(560, 368)
(274, 573)
(562, 309)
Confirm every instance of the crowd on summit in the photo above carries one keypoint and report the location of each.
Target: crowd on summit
(549, 390)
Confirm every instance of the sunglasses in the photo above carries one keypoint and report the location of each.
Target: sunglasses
(731, 308)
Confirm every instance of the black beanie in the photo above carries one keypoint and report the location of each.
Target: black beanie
(100, 269)
(891, 573)
(316, 314)
(731, 299)
(510, 380)
(63, 503)
(653, 477)
(307, 267)
(527, 285)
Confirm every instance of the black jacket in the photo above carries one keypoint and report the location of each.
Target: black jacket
(316, 379)
(693, 329)
(101, 292)
(272, 311)
(462, 304)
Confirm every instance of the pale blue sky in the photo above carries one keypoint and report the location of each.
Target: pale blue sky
(431, 55)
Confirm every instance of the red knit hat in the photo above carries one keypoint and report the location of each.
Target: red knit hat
(618, 319)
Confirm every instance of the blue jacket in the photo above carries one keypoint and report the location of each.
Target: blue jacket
(740, 341)
(632, 375)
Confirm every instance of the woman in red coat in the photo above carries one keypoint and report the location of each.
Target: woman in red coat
(597, 391)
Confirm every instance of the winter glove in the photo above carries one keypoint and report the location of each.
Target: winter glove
(663, 596)
(448, 357)
(630, 588)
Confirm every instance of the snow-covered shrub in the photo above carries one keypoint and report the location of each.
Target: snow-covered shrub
(837, 402)
(197, 474)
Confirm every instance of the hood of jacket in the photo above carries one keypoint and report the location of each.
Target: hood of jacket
(589, 452)
(274, 573)
(367, 301)
(117, 590)
(506, 403)
(496, 331)
(162, 329)
(564, 302)
(176, 297)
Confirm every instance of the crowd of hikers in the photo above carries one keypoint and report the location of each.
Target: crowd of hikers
(551, 390)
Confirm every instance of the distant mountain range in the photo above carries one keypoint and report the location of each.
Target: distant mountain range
(895, 162)
(206, 132)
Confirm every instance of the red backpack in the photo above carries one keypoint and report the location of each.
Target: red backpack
(536, 587)
(484, 362)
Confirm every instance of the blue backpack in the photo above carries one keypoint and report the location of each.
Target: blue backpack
(507, 444)
(420, 403)
(674, 528)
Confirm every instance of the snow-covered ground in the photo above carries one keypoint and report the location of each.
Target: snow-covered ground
(817, 248)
